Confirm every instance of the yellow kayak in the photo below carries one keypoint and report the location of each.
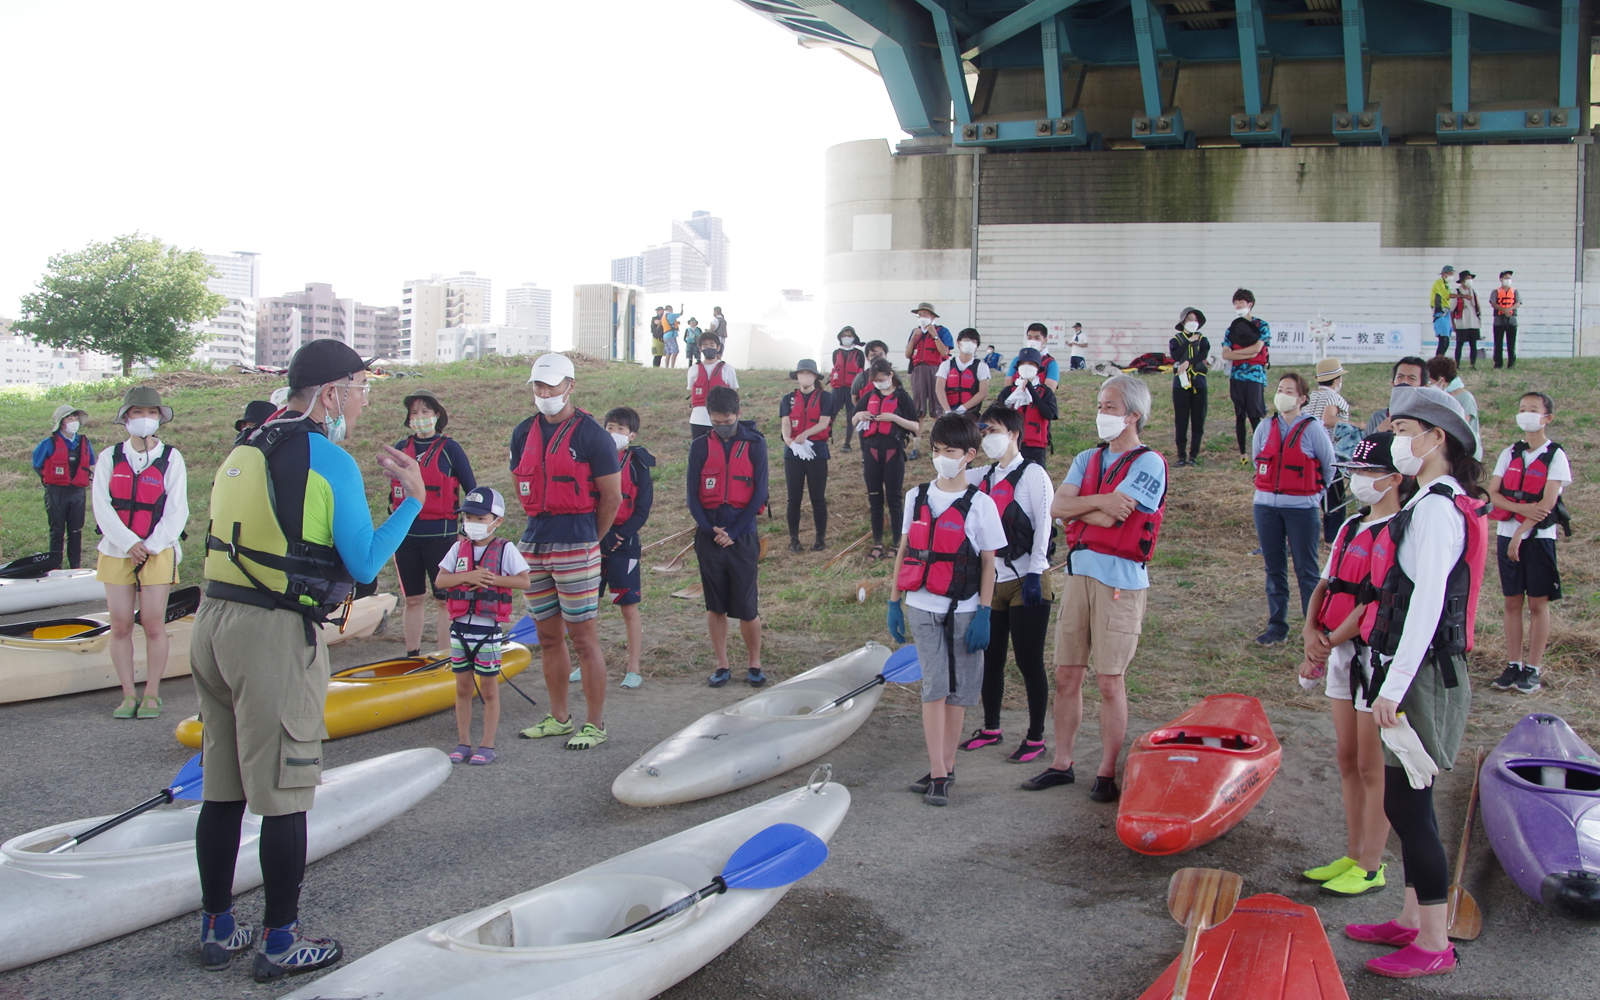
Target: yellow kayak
(375, 695)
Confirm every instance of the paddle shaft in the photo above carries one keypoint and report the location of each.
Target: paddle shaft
(663, 541)
(846, 551)
(1466, 828)
(161, 798)
(717, 886)
(868, 686)
(1465, 920)
(1191, 939)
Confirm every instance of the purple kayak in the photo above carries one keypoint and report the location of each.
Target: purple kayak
(1541, 809)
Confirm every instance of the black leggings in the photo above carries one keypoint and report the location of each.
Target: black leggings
(1189, 417)
(1473, 341)
(800, 476)
(1027, 628)
(844, 403)
(282, 850)
(1249, 404)
(885, 473)
(1410, 812)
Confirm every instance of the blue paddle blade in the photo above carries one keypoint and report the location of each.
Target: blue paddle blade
(903, 667)
(186, 785)
(524, 631)
(780, 855)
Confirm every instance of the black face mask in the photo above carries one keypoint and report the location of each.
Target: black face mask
(725, 431)
(709, 353)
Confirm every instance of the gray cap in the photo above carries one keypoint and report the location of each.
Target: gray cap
(805, 365)
(143, 395)
(1436, 408)
(63, 411)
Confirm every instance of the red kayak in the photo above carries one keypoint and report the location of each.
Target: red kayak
(1193, 779)
(1270, 947)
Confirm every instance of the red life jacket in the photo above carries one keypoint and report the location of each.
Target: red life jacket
(883, 433)
(961, 385)
(462, 600)
(1284, 468)
(1351, 563)
(726, 478)
(139, 500)
(1453, 635)
(1134, 538)
(1035, 428)
(1524, 481)
(66, 467)
(804, 412)
(443, 492)
(630, 492)
(706, 381)
(939, 556)
(550, 478)
(848, 362)
(924, 347)
(1018, 526)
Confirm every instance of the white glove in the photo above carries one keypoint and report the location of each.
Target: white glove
(1407, 745)
(810, 450)
(1020, 397)
(960, 409)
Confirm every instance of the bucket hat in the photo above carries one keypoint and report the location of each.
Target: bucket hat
(63, 411)
(433, 403)
(143, 395)
(1436, 408)
(255, 412)
(805, 365)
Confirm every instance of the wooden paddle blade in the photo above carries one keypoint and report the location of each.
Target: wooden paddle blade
(693, 590)
(1465, 919)
(676, 562)
(1204, 895)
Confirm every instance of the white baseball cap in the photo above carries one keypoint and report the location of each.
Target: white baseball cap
(552, 369)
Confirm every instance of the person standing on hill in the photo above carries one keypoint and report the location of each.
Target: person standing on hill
(709, 373)
(1466, 318)
(806, 419)
(569, 483)
(658, 332)
(884, 417)
(1079, 348)
(1442, 300)
(1247, 347)
(446, 474)
(691, 341)
(862, 383)
(1032, 396)
(1506, 300)
(669, 346)
(926, 348)
(848, 363)
(1294, 465)
(1038, 338)
(962, 381)
(1189, 351)
(65, 462)
(719, 326)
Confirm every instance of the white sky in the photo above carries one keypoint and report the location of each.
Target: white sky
(367, 143)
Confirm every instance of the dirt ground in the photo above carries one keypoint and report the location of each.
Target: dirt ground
(1005, 893)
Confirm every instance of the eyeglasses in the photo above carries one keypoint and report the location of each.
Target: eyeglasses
(364, 387)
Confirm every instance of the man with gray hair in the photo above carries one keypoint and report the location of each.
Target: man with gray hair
(1111, 502)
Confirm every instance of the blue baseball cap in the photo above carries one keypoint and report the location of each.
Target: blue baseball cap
(483, 500)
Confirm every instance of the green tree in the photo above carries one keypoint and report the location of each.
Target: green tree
(132, 298)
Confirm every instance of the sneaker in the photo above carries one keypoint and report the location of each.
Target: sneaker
(1027, 751)
(847, 443)
(1355, 881)
(820, 545)
(295, 953)
(755, 678)
(1104, 790)
(922, 784)
(1388, 932)
(1328, 871)
(632, 680)
(1182, 462)
(220, 938)
(575, 676)
(1508, 677)
(1049, 778)
(982, 738)
(1244, 460)
(1528, 680)
(1271, 638)
(718, 677)
(1411, 962)
(549, 727)
(938, 793)
(589, 737)
(795, 546)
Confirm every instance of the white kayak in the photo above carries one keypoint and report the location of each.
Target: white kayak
(143, 872)
(33, 667)
(552, 943)
(58, 587)
(366, 614)
(752, 740)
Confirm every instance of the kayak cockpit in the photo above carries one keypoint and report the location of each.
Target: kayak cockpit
(788, 702)
(1561, 775)
(584, 910)
(1206, 737)
(390, 669)
(157, 830)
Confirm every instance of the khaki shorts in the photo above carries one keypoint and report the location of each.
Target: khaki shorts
(158, 570)
(261, 691)
(1095, 630)
(1009, 594)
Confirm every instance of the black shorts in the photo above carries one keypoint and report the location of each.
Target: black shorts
(619, 573)
(1534, 573)
(416, 563)
(728, 575)
(1249, 398)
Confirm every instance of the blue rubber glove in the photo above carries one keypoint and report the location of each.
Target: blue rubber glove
(897, 622)
(978, 630)
(1031, 593)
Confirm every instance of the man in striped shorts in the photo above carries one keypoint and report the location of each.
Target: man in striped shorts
(569, 483)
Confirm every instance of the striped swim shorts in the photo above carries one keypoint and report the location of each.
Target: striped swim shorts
(565, 578)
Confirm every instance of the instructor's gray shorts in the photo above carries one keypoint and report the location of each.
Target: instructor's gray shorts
(927, 631)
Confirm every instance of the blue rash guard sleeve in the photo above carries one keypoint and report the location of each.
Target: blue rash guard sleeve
(363, 548)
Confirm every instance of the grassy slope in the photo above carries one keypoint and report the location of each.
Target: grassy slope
(1207, 599)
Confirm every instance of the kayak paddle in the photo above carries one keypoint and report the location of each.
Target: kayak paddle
(185, 785)
(780, 855)
(902, 667)
(524, 631)
(1466, 920)
(1199, 899)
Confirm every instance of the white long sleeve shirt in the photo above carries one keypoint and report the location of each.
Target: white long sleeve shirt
(1430, 550)
(118, 538)
(1034, 493)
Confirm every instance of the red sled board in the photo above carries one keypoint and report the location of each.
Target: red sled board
(1271, 948)
(1195, 778)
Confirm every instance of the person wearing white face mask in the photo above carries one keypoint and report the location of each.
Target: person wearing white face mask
(140, 495)
(1247, 346)
(1505, 301)
(805, 418)
(569, 484)
(1293, 458)
(1189, 351)
(926, 348)
(479, 575)
(64, 461)
(1037, 337)
(1031, 396)
(1467, 318)
(1430, 561)
(848, 364)
(963, 380)
(620, 549)
(1112, 503)
(883, 418)
(446, 473)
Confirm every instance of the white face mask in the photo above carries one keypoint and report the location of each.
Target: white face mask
(1405, 461)
(948, 468)
(996, 445)
(967, 348)
(924, 321)
(1285, 401)
(883, 384)
(550, 405)
(1109, 425)
(423, 426)
(335, 429)
(476, 530)
(621, 440)
(1190, 326)
(69, 427)
(847, 341)
(1366, 493)
(1242, 312)
(1027, 371)
(1505, 282)
(1037, 345)
(1528, 422)
(143, 426)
